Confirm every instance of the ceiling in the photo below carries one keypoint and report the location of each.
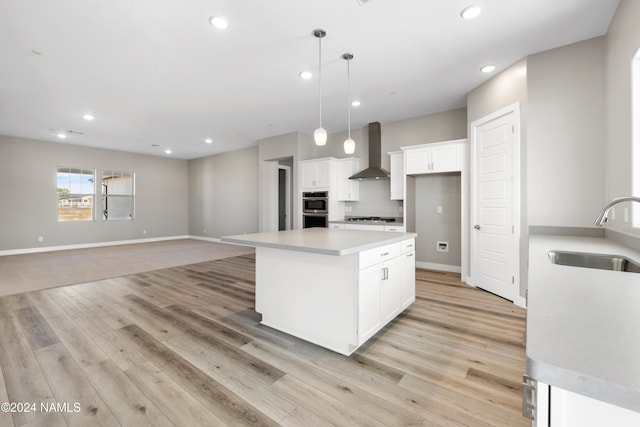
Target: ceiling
(157, 75)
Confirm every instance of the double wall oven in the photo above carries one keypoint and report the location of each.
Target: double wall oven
(315, 209)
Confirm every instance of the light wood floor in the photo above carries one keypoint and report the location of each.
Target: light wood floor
(182, 346)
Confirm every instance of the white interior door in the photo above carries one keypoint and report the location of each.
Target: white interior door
(494, 248)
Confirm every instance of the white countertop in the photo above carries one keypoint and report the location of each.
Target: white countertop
(583, 324)
(324, 241)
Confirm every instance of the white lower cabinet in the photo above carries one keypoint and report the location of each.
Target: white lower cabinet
(557, 407)
(375, 227)
(408, 277)
(386, 286)
(390, 304)
(368, 302)
(370, 227)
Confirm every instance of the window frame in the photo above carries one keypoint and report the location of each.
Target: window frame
(110, 174)
(81, 195)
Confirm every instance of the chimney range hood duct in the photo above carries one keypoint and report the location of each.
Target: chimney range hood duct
(374, 171)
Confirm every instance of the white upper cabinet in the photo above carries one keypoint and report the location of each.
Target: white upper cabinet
(317, 173)
(434, 158)
(396, 185)
(348, 189)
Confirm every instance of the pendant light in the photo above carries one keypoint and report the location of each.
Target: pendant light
(349, 144)
(320, 134)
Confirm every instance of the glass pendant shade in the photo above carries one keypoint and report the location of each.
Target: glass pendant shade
(320, 136)
(349, 146)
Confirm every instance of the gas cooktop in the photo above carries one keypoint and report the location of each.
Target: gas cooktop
(369, 219)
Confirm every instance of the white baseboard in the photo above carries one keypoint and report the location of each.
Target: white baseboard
(88, 245)
(440, 267)
(207, 239)
(520, 301)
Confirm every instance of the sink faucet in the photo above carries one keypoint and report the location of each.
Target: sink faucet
(602, 216)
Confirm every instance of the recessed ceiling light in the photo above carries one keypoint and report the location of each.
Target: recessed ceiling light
(88, 117)
(355, 103)
(470, 12)
(488, 68)
(61, 135)
(219, 22)
(167, 151)
(306, 75)
(208, 141)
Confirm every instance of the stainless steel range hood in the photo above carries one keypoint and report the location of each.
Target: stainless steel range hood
(374, 171)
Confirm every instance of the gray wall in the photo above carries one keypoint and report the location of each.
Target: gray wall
(432, 191)
(223, 194)
(29, 198)
(622, 43)
(566, 134)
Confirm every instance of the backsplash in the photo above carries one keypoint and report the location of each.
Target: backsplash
(374, 200)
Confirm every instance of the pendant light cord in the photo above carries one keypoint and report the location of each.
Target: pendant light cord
(349, 96)
(320, 78)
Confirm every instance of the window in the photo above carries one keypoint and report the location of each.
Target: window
(117, 195)
(635, 135)
(76, 194)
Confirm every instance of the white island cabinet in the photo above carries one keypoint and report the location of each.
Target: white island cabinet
(334, 288)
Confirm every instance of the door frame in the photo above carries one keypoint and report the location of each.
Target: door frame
(287, 183)
(517, 170)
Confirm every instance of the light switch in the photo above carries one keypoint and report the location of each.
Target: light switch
(439, 209)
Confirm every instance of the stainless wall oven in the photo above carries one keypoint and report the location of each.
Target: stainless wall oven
(312, 220)
(315, 202)
(315, 209)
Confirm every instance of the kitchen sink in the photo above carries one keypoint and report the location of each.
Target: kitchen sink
(589, 260)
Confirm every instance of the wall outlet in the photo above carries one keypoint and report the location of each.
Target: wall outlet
(144, 231)
(40, 239)
(442, 246)
(204, 230)
(439, 209)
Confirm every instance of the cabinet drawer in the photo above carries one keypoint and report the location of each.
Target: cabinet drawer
(408, 245)
(374, 256)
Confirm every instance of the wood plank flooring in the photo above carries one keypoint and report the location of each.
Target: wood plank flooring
(183, 347)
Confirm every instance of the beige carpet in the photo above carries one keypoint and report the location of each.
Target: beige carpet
(29, 272)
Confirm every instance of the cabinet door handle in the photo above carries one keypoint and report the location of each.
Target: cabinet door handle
(384, 254)
(409, 255)
(528, 397)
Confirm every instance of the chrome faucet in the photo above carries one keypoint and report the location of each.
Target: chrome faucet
(602, 216)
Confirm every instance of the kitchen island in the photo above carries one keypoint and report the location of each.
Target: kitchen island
(334, 288)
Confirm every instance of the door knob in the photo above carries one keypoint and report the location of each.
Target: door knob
(477, 227)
